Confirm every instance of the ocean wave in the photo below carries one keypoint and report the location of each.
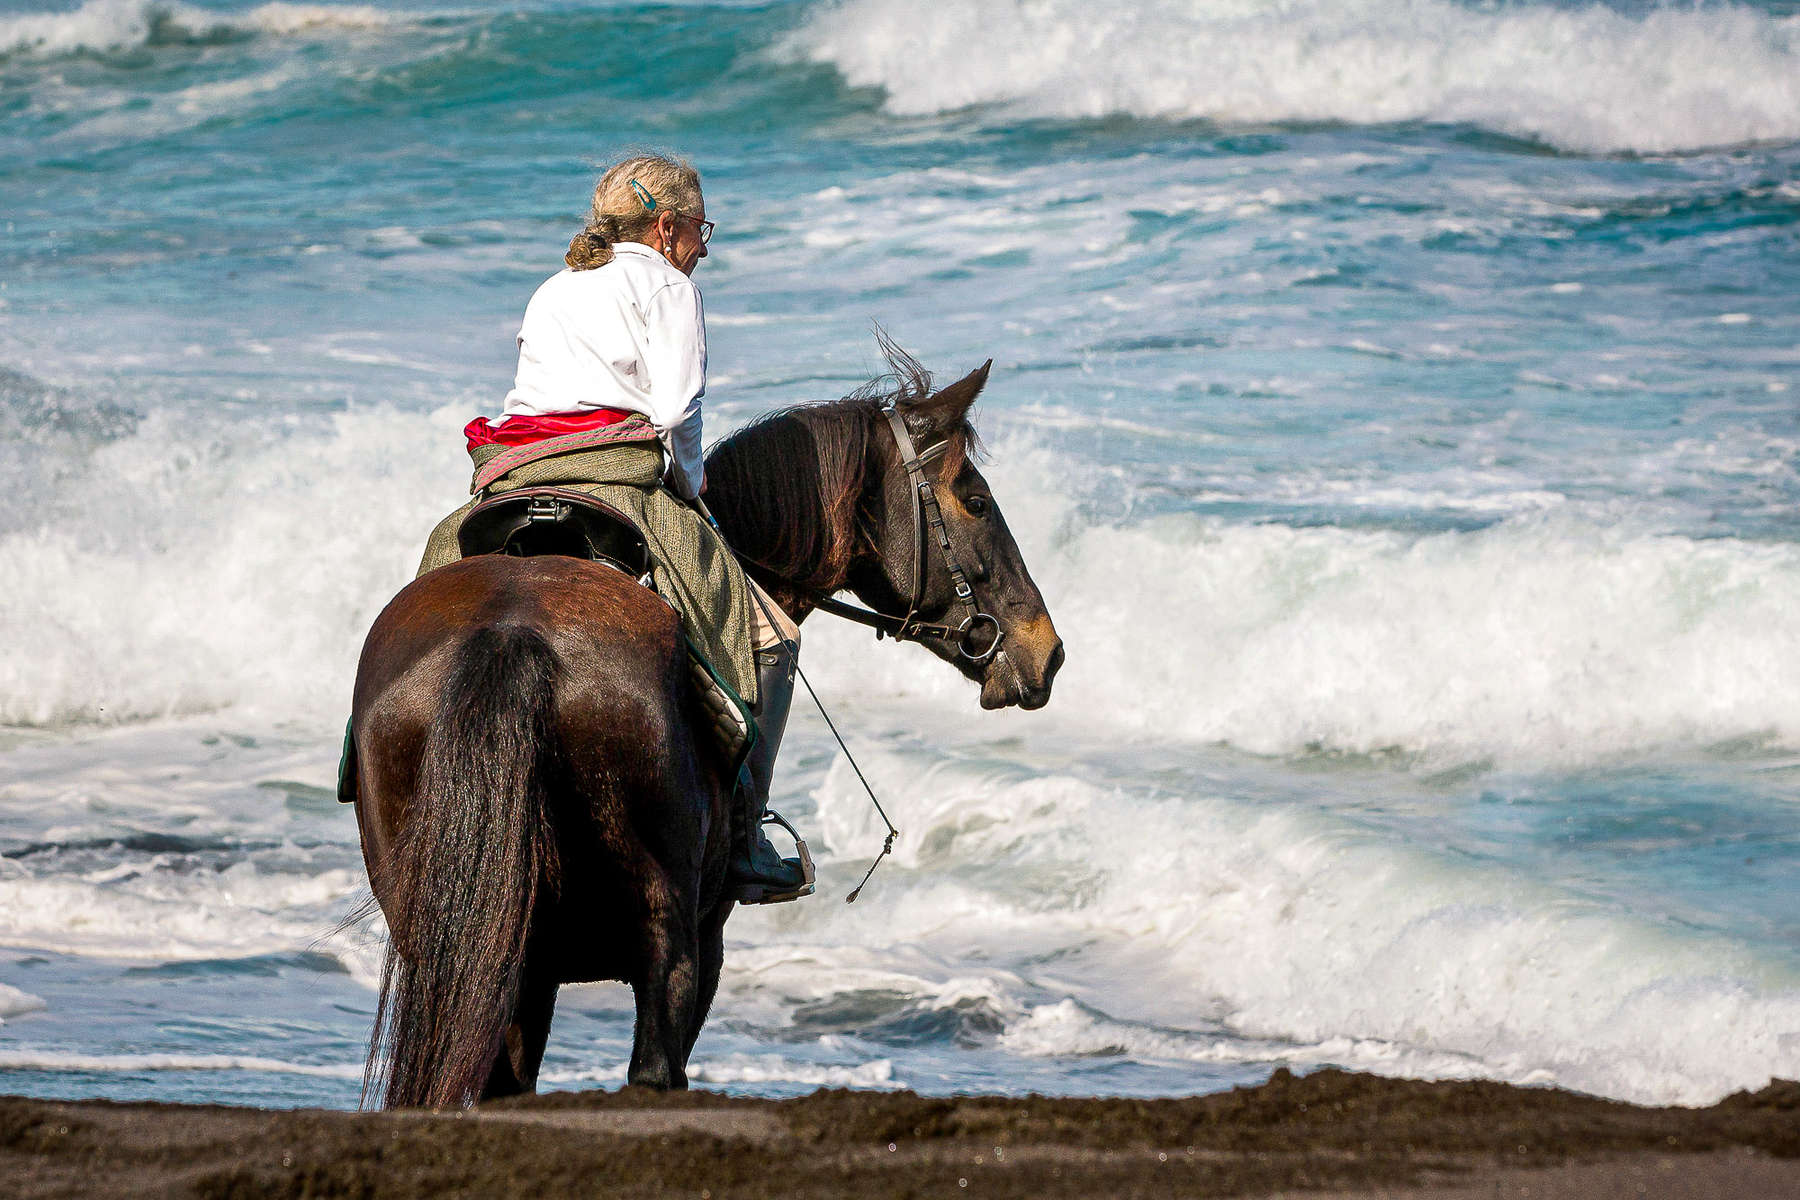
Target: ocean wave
(1066, 1028)
(1539, 641)
(1554, 639)
(39, 1060)
(221, 567)
(242, 573)
(753, 1069)
(14, 1002)
(101, 26)
(1120, 920)
(174, 916)
(1587, 79)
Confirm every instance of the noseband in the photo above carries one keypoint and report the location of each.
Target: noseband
(926, 516)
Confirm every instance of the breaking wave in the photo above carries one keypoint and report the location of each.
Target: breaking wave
(1589, 79)
(14, 1002)
(100, 26)
(1207, 928)
(244, 573)
(1542, 640)
(32, 1060)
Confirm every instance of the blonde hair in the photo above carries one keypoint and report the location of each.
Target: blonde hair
(619, 211)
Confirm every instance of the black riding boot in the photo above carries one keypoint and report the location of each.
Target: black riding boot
(757, 872)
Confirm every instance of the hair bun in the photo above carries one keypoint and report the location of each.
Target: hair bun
(587, 250)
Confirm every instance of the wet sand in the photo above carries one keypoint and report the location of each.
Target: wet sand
(1330, 1134)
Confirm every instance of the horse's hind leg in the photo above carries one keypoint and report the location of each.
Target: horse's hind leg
(667, 985)
(711, 959)
(516, 1063)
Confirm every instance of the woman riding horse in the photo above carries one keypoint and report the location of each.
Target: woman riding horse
(622, 331)
(533, 746)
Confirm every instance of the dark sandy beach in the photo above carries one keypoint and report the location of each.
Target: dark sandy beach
(1328, 1134)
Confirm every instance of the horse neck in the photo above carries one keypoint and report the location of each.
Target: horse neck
(787, 492)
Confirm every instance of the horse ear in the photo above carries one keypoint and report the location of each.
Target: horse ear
(946, 409)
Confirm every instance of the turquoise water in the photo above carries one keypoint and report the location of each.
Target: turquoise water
(1394, 398)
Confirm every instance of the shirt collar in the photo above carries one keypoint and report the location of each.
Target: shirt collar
(638, 248)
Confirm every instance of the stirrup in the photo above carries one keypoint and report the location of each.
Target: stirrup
(755, 893)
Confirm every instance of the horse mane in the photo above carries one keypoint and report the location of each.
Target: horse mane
(793, 478)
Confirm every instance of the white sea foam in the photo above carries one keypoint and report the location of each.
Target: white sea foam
(1587, 79)
(14, 1002)
(288, 19)
(1540, 640)
(1204, 928)
(1553, 639)
(110, 25)
(772, 1068)
(96, 25)
(1066, 1028)
(227, 572)
(753, 1069)
(38, 1060)
(162, 915)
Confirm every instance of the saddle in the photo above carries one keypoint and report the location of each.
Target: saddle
(553, 520)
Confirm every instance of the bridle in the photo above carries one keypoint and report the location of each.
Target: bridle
(926, 516)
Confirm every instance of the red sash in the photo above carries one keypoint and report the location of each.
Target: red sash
(522, 431)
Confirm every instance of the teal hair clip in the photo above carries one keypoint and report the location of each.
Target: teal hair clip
(644, 196)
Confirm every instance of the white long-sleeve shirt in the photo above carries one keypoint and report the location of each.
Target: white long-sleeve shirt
(630, 335)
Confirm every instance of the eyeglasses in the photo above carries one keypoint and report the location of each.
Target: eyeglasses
(704, 228)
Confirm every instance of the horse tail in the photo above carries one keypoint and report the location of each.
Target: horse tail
(465, 873)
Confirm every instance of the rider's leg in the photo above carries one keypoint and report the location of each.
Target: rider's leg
(758, 872)
(769, 625)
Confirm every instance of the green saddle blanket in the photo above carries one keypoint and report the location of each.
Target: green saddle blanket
(692, 567)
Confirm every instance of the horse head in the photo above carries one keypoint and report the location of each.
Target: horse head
(1011, 648)
(818, 498)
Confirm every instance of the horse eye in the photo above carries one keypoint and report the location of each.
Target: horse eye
(977, 506)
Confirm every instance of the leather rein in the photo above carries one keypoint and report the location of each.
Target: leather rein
(928, 520)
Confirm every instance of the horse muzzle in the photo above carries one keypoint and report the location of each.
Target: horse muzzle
(1025, 668)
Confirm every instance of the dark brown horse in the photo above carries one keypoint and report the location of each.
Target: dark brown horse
(536, 806)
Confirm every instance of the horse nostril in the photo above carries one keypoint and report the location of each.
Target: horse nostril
(1055, 663)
